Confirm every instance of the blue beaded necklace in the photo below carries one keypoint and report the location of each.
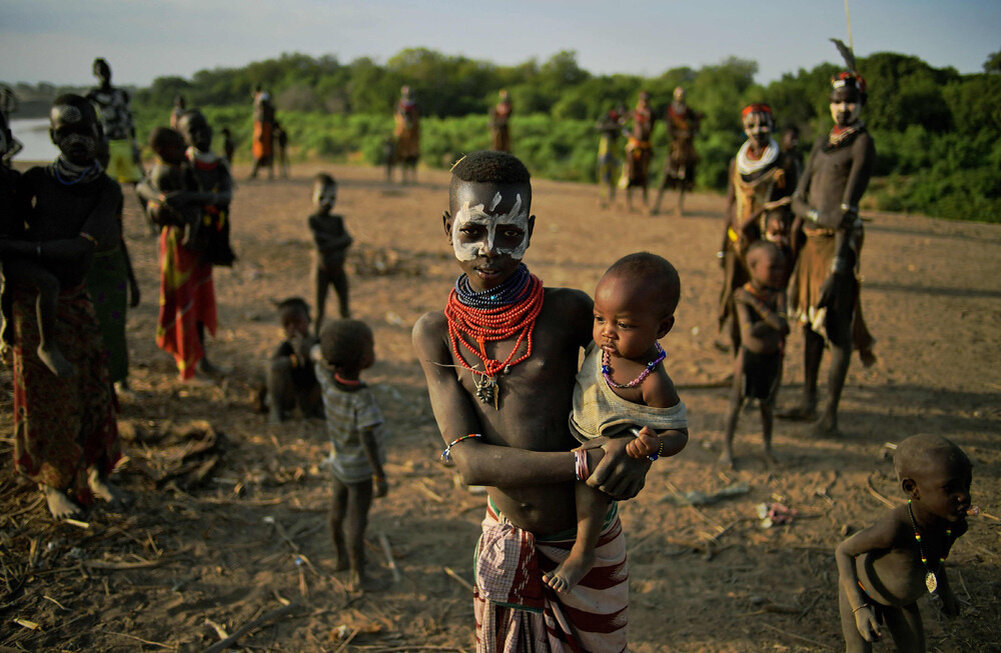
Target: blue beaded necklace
(509, 292)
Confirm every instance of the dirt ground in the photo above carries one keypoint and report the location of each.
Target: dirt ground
(228, 533)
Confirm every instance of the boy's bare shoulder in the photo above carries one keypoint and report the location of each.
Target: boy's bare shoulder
(568, 298)
(429, 329)
(892, 530)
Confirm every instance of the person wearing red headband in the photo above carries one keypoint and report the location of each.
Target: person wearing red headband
(758, 183)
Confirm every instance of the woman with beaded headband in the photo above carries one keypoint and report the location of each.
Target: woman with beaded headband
(757, 183)
(65, 433)
(824, 289)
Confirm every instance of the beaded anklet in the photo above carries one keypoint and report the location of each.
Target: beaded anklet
(606, 369)
(446, 455)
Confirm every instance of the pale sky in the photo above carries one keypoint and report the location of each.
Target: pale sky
(56, 40)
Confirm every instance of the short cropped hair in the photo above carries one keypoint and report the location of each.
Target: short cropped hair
(486, 166)
(917, 452)
(81, 103)
(762, 246)
(323, 179)
(489, 167)
(342, 342)
(161, 136)
(291, 305)
(659, 277)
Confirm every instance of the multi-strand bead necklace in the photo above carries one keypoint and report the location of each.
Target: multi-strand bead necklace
(475, 318)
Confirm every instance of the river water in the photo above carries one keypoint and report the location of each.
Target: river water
(34, 135)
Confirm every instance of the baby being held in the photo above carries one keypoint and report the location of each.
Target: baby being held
(621, 384)
(168, 176)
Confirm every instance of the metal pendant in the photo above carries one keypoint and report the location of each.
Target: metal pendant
(487, 389)
(931, 582)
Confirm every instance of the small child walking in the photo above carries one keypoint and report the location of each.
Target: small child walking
(760, 307)
(332, 242)
(884, 569)
(355, 426)
(621, 384)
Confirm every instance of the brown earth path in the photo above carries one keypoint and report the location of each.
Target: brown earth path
(234, 532)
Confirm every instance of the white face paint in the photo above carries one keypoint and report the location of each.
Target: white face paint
(490, 223)
(845, 113)
(325, 195)
(758, 126)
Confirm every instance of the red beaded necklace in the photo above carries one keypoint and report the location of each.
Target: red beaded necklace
(467, 325)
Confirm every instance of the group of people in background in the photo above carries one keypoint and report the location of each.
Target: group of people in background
(790, 254)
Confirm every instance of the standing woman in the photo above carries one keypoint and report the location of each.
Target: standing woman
(65, 433)
(824, 290)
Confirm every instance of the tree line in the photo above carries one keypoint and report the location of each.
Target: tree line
(938, 132)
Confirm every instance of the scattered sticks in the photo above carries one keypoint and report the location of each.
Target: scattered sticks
(462, 581)
(264, 619)
(872, 490)
(389, 557)
(172, 647)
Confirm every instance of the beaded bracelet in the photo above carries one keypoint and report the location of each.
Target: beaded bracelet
(446, 455)
(660, 450)
(581, 471)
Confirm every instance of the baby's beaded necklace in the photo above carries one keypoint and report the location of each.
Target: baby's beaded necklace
(931, 582)
(606, 369)
(495, 314)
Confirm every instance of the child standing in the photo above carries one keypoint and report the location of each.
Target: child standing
(291, 379)
(760, 306)
(885, 568)
(622, 384)
(500, 362)
(332, 242)
(354, 423)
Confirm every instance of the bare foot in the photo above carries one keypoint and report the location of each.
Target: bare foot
(60, 505)
(102, 489)
(726, 460)
(55, 361)
(867, 356)
(799, 413)
(124, 392)
(570, 571)
(825, 427)
(275, 417)
(207, 368)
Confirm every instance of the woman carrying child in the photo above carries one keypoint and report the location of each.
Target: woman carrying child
(65, 433)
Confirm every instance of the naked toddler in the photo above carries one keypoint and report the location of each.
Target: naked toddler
(884, 569)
